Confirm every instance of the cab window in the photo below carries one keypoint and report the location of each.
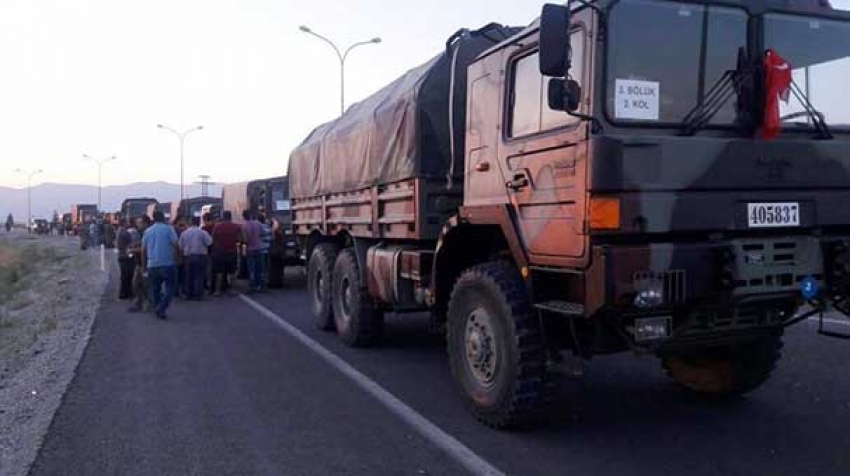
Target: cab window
(529, 108)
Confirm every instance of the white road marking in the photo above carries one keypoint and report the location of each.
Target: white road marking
(454, 448)
(832, 320)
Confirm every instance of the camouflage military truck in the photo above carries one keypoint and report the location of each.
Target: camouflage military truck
(269, 197)
(132, 208)
(165, 207)
(188, 208)
(620, 175)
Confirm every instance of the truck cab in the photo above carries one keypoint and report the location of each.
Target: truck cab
(645, 197)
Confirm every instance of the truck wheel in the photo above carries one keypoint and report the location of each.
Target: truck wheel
(359, 323)
(319, 284)
(726, 372)
(495, 345)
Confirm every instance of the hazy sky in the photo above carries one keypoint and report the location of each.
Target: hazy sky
(96, 76)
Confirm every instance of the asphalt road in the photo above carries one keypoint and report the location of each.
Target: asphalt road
(220, 389)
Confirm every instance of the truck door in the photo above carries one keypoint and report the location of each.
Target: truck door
(543, 155)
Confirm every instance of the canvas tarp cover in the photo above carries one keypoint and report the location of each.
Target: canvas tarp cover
(402, 131)
(234, 198)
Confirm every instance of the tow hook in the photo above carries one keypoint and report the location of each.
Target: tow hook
(810, 289)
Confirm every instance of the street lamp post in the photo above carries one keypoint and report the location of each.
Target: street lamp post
(181, 136)
(342, 56)
(30, 175)
(99, 163)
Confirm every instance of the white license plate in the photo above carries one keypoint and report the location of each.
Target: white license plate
(767, 215)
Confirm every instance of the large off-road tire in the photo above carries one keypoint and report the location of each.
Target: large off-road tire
(359, 323)
(728, 371)
(495, 346)
(320, 284)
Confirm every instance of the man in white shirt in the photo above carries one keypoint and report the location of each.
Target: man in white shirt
(194, 247)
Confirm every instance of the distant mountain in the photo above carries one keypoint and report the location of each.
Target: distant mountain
(48, 197)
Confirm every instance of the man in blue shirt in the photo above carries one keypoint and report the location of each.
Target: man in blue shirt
(161, 253)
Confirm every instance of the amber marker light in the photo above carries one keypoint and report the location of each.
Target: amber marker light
(604, 213)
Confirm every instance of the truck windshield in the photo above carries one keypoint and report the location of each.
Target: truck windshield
(819, 53)
(279, 199)
(664, 56)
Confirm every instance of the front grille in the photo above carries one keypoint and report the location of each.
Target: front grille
(671, 281)
(772, 265)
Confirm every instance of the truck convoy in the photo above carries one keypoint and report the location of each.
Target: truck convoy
(567, 186)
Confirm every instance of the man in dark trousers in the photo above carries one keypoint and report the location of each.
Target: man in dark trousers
(194, 244)
(126, 262)
(141, 294)
(225, 237)
(208, 226)
(161, 254)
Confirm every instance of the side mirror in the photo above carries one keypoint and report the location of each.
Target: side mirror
(564, 95)
(555, 40)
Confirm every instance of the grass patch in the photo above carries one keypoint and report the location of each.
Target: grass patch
(20, 262)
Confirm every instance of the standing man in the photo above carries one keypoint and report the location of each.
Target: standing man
(141, 294)
(126, 262)
(182, 286)
(94, 233)
(160, 253)
(265, 246)
(194, 245)
(83, 230)
(225, 237)
(252, 231)
(208, 226)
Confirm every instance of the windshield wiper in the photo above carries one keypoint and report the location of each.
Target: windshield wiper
(817, 117)
(727, 86)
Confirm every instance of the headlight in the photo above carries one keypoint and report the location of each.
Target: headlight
(649, 289)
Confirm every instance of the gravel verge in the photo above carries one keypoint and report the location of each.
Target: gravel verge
(50, 295)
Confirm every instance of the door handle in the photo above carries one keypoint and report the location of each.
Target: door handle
(519, 182)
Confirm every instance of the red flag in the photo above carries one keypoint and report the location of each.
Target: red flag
(777, 80)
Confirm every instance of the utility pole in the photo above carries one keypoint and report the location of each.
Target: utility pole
(30, 175)
(342, 57)
(205, 185)
(99, 163)
(181, 136)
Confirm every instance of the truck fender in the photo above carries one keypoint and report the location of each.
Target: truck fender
(473, 236)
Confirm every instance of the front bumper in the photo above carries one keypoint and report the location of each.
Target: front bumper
(721, 291)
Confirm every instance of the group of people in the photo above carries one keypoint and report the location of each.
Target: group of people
(95, 232)
(159, 261)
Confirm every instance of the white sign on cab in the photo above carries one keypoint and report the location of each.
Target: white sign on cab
(636, 99)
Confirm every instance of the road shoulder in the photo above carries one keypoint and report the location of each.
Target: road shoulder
(45, 326)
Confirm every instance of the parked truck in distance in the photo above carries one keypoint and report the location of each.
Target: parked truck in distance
(132, 208)
(269, 197)
(188, 208)
(82, 213)
(165, 207)
(565, 187)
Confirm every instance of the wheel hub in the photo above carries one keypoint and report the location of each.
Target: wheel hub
(481, 354)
